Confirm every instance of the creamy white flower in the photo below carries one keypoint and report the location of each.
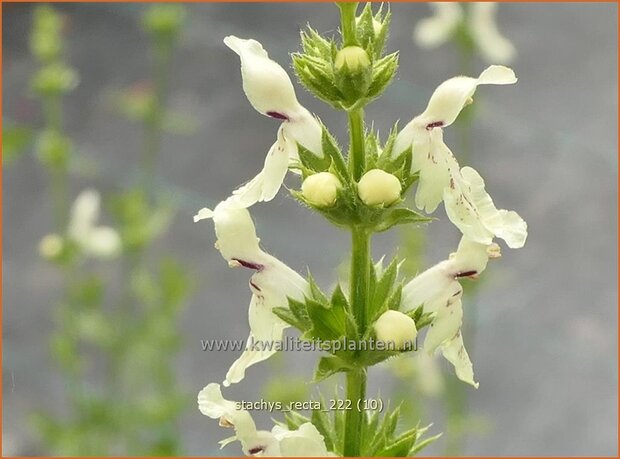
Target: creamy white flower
(272, 283)
(280, 442)
(439, 291)
(431, 156)
(439, 28)
(480, 24)
(270, 91)
(471, 210)
(493, 46)
(93, 240)
(468, 206)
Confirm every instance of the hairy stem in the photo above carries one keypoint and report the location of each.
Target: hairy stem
(357, 155)
(347, 22)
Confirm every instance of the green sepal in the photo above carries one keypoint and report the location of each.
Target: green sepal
(373, 41)
(422, 319)
(294, 419)
(383, 72)
(287, 316)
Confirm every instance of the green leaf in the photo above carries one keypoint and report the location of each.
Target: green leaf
(333, 151)
(287, 316)
(294, 419)
(399, 216)
(329, 322)
(317, 293)
(423, 444)
(311, 161)
(328, 366)
(385, 283)
(339, 299)
(382, 75)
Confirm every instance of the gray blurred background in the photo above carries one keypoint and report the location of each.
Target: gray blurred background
(546, 348)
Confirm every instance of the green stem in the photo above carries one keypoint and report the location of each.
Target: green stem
(347, 22)
(356, 390)
(360, 258)
(360, 274)
(356, 380)
(357, 156)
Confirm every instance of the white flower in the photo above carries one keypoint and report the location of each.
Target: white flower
(439, 28)
(471, 210)
(397, 328)
(379, 188)
(94, 241)
(270, 91)
(271, 284)
(280, 442)
(440, 177)
(321, 189)
(439, 290)
(479, 22)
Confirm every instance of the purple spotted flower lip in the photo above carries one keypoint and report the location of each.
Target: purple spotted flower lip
(271, 284)
(278, 116)
(439, 291)
(441, 178)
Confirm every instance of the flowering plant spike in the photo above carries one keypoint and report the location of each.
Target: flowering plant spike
(361, 190)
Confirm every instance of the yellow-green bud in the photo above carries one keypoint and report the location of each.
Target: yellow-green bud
(397, 328)
(378, 188)
(51, 246)
(354, 58)
(353, 72)
(321, 189)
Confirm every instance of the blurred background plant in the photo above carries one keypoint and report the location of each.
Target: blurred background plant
(132, 407)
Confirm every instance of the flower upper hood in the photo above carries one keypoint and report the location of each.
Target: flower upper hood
(270, 91)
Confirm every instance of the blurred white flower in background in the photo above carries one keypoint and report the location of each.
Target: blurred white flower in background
(82, 231)
(478, 23)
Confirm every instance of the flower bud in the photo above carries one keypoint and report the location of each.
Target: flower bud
(321, 189)
(353, 58)
(353, 72)
(378, 188)
(397, 328)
